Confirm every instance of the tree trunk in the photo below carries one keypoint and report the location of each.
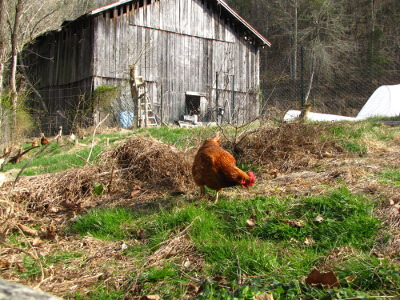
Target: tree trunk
(14, 59)
(3, 42)
(295, 41)
(135, 95)
(310, 83)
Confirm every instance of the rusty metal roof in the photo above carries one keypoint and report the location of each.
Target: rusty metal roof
(263, 41)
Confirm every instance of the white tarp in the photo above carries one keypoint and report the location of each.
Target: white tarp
(384, 102)
(294, 114)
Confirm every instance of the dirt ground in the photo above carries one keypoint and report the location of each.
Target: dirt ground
(51, 201)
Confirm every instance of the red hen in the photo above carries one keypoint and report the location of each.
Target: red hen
(216, 168)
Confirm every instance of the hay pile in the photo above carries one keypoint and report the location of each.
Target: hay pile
(154, 164)
(49, 198)
(287, 148)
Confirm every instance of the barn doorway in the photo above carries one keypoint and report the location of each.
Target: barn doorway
(196, 104)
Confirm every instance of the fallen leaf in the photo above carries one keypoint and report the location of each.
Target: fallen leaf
(251, 222)
(28, 230)
(48, 232)
(219, 279)
(351, 278)
(327, 154)
(187, 263)
(264, 296)
(20, 267)
(36, 242)
(141, 234)
(318, 219)
(71, 205)
(309, 241)
(4, 264)
(192, 288)
(328, 279)
(294, 223)
(134, 193)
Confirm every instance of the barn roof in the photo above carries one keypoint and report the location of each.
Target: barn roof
(222, 4)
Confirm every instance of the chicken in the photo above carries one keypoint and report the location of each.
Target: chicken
(216, 168)
(35, 143)
(43, 140)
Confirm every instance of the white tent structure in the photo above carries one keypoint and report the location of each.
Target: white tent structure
(384, 102)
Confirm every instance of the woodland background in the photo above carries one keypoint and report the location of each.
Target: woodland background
(330, 53)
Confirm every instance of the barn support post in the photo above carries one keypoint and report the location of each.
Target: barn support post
(216, 96)
(146, 106)
(162, 103)
(233, 99)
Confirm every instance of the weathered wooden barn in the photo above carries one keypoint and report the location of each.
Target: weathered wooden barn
(194, 55)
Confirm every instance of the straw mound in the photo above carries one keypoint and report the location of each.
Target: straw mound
(45, 191)
(287, 148)
(154, 163)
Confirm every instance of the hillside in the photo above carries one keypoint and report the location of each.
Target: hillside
(124, 221)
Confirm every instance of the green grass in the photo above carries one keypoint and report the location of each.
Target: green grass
(58, 158)
(272, 254)
(105, 224)
(391, 176)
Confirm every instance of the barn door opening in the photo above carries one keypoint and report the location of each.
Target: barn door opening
(196, 104)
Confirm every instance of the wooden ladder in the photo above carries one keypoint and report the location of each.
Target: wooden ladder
(148, 111)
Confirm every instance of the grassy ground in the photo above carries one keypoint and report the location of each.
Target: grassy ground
(340, 213)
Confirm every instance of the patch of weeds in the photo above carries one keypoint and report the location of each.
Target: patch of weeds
(164, 280)
(159, 274)
(347, 220)
(349, 137)
(390, 177)
(105, 224)
(347, 131)
(32, 269)
(64, 257)
(369, 273)
(354, 147)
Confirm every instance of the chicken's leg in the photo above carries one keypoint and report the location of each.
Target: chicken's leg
(216, 198)
(202, 191)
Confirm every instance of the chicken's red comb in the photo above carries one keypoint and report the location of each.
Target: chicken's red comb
(252, 178)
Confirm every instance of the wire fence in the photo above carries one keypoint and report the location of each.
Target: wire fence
(279, 91)
(343, 94)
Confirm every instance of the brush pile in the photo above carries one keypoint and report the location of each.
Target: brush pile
(154, 164)
(287, 148)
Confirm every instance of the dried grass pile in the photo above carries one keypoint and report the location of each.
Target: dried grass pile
(48, 191)
(287, 148)
(154, 163)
